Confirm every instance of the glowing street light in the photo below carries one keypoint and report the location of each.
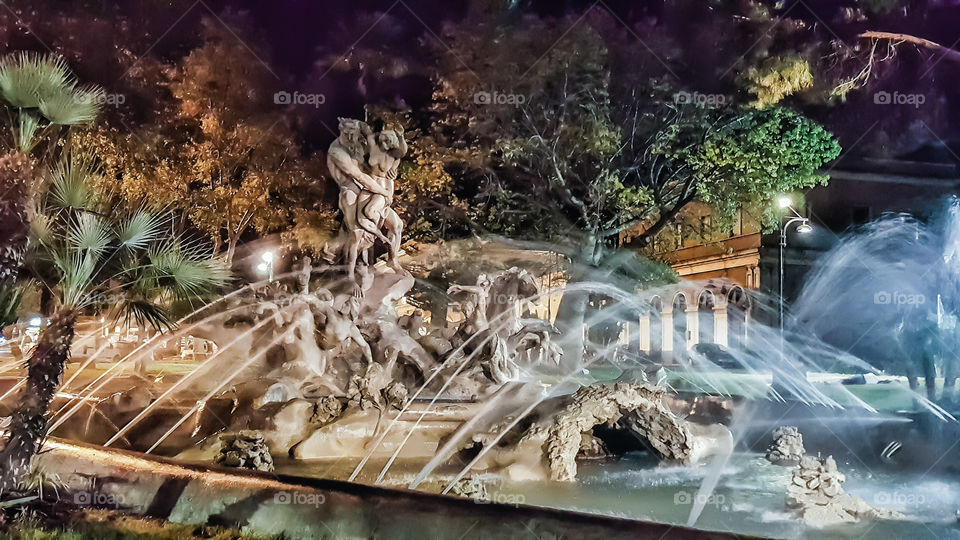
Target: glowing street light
(266, 267)
(803, 227)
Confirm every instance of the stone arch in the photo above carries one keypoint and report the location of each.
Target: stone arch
(638, 408)
(706, 302)
(679, 307)
(739, 305)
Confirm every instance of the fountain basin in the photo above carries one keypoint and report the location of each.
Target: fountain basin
(270, 504)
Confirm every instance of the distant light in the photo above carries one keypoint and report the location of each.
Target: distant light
(784, 201)
(36, 321)
(804, 228)
(263, 267)
(267, 256)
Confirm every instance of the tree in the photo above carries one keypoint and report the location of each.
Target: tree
(43, 102)
(90, 254)
(224, 154)
(577, 160)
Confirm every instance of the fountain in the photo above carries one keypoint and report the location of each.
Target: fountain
(316, 373)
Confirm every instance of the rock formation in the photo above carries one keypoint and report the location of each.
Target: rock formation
(816, 492)
(470, 487)
(554, 441)
(246, 450)
(787, 446)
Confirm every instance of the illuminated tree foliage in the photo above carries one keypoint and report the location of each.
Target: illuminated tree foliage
(227, 156)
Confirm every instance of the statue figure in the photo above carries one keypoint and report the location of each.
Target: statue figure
(385, 150)
(364, 164)
(500, 338)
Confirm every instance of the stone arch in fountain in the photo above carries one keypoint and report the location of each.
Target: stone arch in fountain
(680, 305)
(738, 310)
(706, 322)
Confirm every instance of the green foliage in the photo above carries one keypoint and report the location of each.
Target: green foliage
(27, 79)
(582, 158)
(89, 253)
(109, 525)
(776, 78)
(41, 92)
(754, 155)
(10, 298)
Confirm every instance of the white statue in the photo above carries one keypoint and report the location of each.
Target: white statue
(364, 164)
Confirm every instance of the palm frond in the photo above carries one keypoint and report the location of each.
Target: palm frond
(26, 135)
(75, 106)
(10, 297)
(28, 78)
(69, 183)
(42, 229)
(77, 272)
(185, 271)
(146, 312)
(141, 229)
(88, 232)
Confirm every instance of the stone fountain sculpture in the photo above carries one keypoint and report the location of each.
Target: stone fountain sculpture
(364, 164)
(327, 364)
(496, 335)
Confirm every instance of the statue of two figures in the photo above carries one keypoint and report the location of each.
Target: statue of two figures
(364, 163)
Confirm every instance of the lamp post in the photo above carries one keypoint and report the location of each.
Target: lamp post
(267, 265)
(802, 228)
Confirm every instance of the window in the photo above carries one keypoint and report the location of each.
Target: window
(706, 227)
(678, 236)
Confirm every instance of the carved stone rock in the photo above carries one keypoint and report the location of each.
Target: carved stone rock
(246, 450)
(787, 446)
(816, 493)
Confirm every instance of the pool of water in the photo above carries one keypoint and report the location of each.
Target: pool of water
(750, 498)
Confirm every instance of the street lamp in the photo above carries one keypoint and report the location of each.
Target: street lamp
(266, 267)
(803, 227)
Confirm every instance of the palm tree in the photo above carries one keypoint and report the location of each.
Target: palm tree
(90, 256)
(42, 100)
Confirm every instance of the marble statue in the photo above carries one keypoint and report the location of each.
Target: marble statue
(364, 164)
